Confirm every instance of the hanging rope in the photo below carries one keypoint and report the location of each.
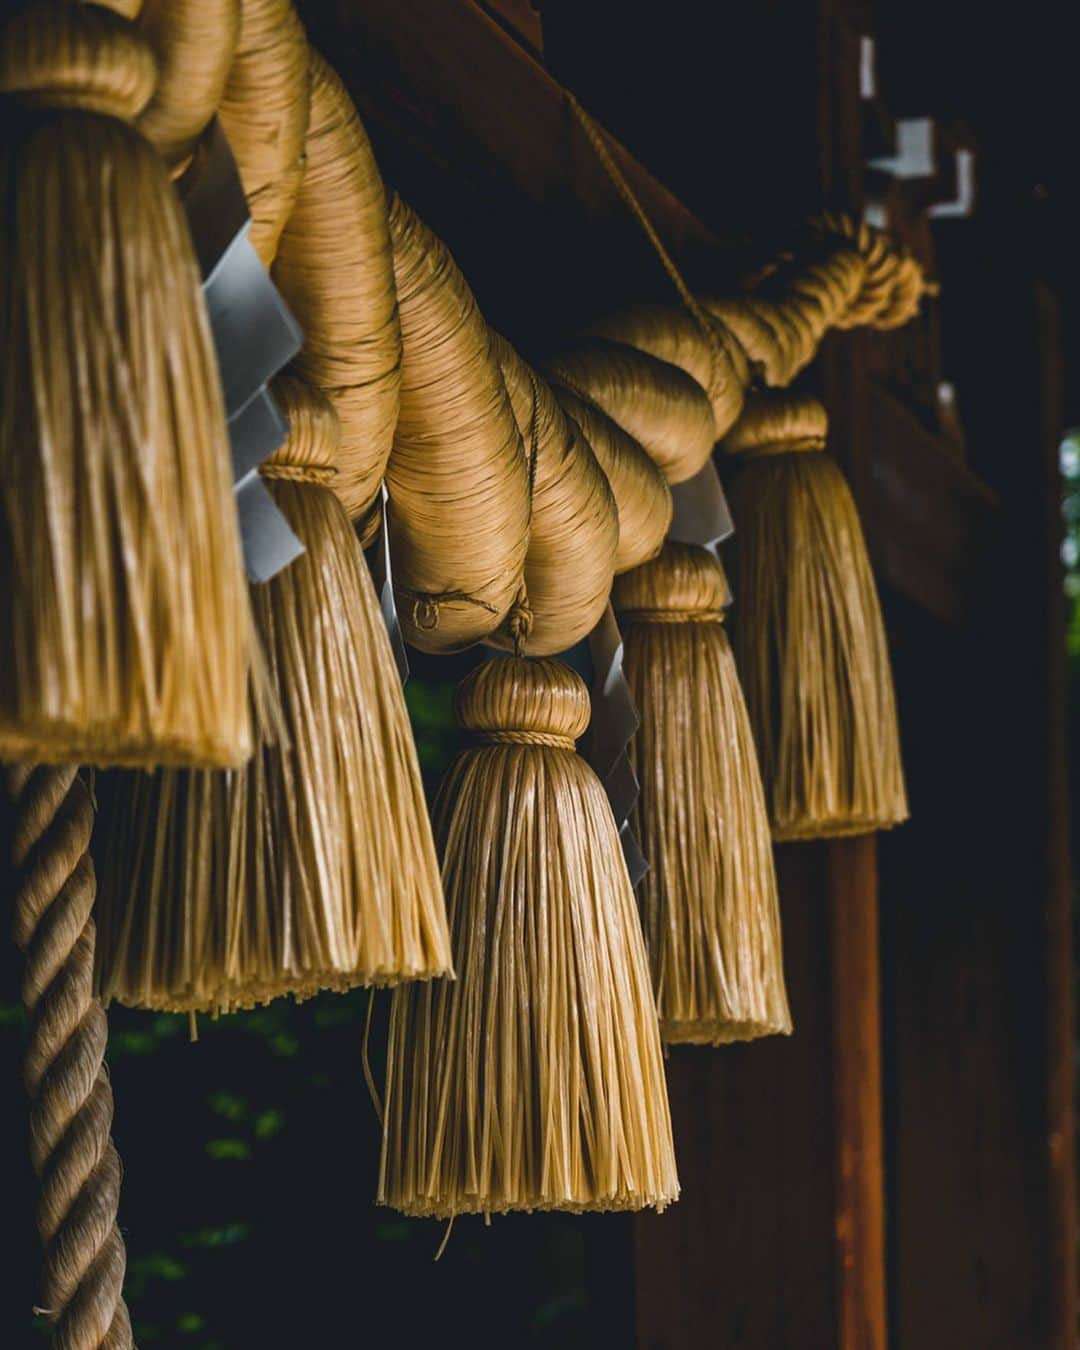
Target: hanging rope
(71, 1100)
(626, 192)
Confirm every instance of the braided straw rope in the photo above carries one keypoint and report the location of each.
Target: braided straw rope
(264, 110)
(662, 407)
(124, 604)
(535, 1079)
(194, 42)
(709, 899)
(716, 360)
(574, 525)
(642, 496)
(458, 475)
(334, 268)
(71, 1100)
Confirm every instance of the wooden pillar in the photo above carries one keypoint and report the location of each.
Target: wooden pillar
(859, 1180)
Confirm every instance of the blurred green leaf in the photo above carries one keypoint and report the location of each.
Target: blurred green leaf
(131, 1043)
(229, 1149)
(228, 1104)
(269, 1122)
(225, 1235)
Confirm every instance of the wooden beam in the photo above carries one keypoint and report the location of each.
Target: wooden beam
(858, 1168)
(746, 1257)
(925, 513)
(1060, 934)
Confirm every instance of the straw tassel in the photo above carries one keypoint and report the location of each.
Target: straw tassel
(809, 639)
(535, 1080)
(313, 868)
(124, 606)
(712, 922)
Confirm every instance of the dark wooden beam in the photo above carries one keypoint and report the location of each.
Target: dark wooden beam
(925, 513)
(858, 1166)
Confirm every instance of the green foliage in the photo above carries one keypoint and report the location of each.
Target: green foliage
(438, 737)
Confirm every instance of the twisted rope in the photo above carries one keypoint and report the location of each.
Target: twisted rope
(71, 1102)
(630, 199)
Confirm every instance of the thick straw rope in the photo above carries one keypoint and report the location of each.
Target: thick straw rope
(574, 525)
(264, 110)
(660, 405)
(458, 475)
(716, 360)
(642, 496)
(71, 1100)
(194, 42)
(335, 269)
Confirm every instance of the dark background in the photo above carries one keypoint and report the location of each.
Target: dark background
(250, 1157)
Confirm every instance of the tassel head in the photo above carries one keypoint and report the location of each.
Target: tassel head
(314, 866)
(709, 899)
(809, 638)
(535, 1079)
(125, 605)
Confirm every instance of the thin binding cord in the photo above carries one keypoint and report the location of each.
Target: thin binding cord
(626, 192)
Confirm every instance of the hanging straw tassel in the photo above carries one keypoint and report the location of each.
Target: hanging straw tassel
(458, 476)
(642, 496)
(809, 639)
(535, 1080)
(335, 270)
(661, 406)
(124, 605)
(264, 110)
(313, 868)
(574, 525)
(194, 42)
(712, 923)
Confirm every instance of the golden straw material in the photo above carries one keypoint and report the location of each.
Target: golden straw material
(194, 42)
(51, 897)
(264, 111)
(458, 476)
(712, 355)
(535, 1080)
(661, 406)
(314, 867)
(335, 270)
(711, 915)
(893, 285)
(809, 640)
(778, 423)
(574, 528)
(642, 496)
(758, 338)
(124, 607)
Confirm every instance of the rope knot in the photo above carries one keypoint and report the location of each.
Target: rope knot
(425, 613)
(519, 622)
(550, 739)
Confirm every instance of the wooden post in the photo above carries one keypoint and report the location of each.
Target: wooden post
(859, 1178)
